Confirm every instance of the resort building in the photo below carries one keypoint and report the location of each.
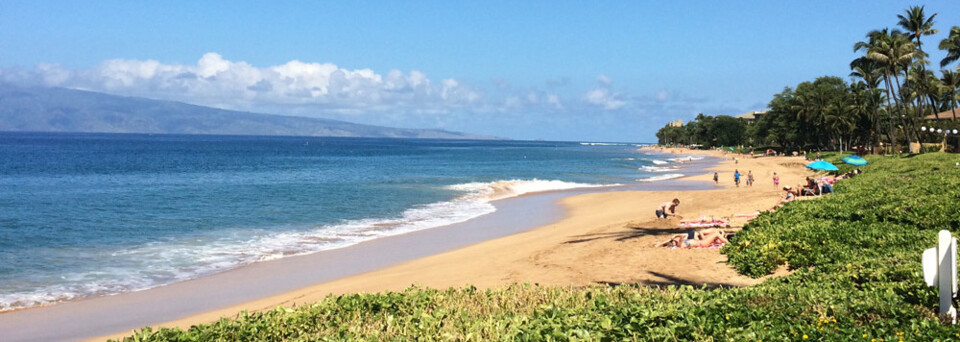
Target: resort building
(751, 116)
(946, 115)
(675, 123)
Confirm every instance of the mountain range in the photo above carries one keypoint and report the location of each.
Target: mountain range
(36, 109)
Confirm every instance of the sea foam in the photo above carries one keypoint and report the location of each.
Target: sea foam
(660, 177)
(656, 169)
(602, 144)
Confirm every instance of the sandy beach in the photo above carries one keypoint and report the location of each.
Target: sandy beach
(603, 238)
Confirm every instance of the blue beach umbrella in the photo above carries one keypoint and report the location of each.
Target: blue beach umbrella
(854, 160)
(822, 165)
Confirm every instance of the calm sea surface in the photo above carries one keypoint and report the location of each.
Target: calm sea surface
(93, 214)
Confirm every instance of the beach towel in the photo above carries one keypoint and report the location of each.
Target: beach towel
(715, 245)
(700, 224)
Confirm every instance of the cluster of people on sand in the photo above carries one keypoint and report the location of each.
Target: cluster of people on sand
(704, 238)
(736, 178)
(714, 237)
(813, 187)
(693, 239)
(817, 187)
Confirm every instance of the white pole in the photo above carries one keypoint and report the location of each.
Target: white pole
(953, 275)
(947, 258)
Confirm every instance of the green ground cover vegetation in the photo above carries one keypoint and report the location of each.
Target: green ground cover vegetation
(855, 256)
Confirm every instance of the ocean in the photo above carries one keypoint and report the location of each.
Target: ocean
(97, 214)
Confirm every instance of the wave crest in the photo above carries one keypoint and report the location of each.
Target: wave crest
(660, 177)
(502, 189)
(601, 144)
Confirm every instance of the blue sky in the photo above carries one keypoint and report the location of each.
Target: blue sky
(579, 71)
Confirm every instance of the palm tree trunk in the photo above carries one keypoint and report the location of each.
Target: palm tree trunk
(954, 107)
(908, 125)
(890, 131)
(875, 137)
(933, 105)
(898, 105)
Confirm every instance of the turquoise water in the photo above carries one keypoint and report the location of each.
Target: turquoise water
(94, 214)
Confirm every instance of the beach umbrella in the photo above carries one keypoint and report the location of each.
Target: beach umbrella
(854, 160)
(822, 165)
(731, 149)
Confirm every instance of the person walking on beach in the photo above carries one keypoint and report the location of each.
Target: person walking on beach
(776, 180)
(671, 206)
(716, 178)
(750, 178)
(736, 177)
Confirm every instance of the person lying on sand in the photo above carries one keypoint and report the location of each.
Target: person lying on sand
(704, 238)
(791, 194)
(671, 206)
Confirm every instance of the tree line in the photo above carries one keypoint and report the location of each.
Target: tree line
(884, 105)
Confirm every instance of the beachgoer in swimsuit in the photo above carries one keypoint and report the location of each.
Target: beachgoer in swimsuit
(736, 177)
(705, 238)
(671, 206)
(712, 236)
(716, 178)
(790, 196)
(776, 180)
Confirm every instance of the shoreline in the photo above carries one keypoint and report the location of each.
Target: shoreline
(450, 267)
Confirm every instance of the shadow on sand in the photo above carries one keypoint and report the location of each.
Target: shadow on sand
(668, 280)
(632, 232)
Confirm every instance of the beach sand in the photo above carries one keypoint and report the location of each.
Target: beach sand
(604, 238)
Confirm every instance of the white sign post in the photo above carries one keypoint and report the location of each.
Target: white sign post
(940, 269)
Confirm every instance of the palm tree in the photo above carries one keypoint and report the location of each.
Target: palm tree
(893, 51)
(839, 117)
(952, 45)
(871, 74)
(924, 87)
(867, 70)
(917, 25)
(896, 53)
(950, 84)
(809, 108)
(933, 89)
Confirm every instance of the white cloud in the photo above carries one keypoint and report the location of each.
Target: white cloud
(603, 96)
(291, 87)
(392, 98)
(554, 101)
(604, 80)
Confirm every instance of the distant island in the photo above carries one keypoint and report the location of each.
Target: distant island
(36, 109)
